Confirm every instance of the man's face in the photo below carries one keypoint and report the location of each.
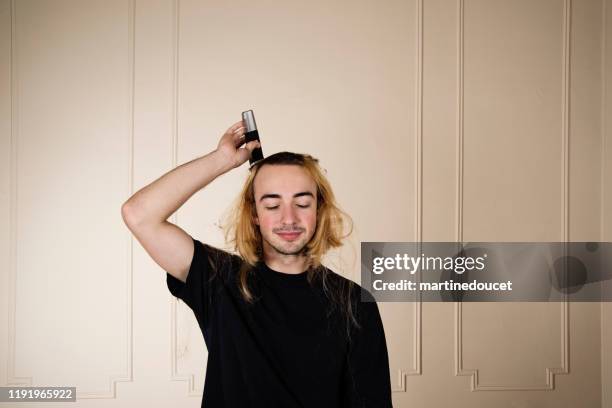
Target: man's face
(286, 203)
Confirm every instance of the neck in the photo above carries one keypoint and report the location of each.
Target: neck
(293, 264)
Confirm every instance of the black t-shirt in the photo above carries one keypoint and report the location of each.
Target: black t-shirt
(284, 350)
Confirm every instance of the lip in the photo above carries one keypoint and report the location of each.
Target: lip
(289, 236)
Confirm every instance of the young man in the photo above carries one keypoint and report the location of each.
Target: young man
(281, 329)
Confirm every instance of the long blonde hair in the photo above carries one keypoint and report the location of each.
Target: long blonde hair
(244, 235)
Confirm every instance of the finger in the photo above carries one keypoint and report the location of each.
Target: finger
(242, 155)
(238, 138)
(252, 145)
(241, 129)
(245, 152)
(235, 126)
(232, 136)
(239, 142)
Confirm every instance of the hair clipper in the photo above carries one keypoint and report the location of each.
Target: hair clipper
(252, 134)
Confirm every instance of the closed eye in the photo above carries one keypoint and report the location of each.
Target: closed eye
(299, 205)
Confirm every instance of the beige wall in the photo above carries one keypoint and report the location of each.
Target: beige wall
(606, 213)
(473, 120)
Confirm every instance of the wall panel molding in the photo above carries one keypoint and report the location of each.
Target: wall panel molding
(12, 379)
(564, 315)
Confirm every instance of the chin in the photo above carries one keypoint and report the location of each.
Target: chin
(292, 248)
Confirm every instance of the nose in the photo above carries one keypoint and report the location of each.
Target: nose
(288, 215)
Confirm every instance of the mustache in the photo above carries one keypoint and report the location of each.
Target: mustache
(289, 230)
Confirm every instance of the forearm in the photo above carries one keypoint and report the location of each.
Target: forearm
(157, 201)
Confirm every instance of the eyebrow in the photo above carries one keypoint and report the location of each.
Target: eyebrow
(301, 194)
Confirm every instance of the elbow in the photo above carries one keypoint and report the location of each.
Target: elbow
(127, 213)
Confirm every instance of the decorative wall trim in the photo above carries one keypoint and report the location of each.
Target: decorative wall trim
(603, 121)
(174, 375)
(418, 313)
(12, 276)
(12, 380)
(602, 216)
(417, 350)
(550, 372)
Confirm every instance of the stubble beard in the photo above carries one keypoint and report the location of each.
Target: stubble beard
(282, 251)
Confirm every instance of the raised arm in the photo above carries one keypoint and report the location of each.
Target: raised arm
(147, 211)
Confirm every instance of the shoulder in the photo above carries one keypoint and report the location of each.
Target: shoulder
(363, 307)
(334, 280)
(355, 288)
(359, 296)
(217, 259)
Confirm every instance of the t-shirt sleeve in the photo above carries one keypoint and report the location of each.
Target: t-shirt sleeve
(198, 289)
(367, 377)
